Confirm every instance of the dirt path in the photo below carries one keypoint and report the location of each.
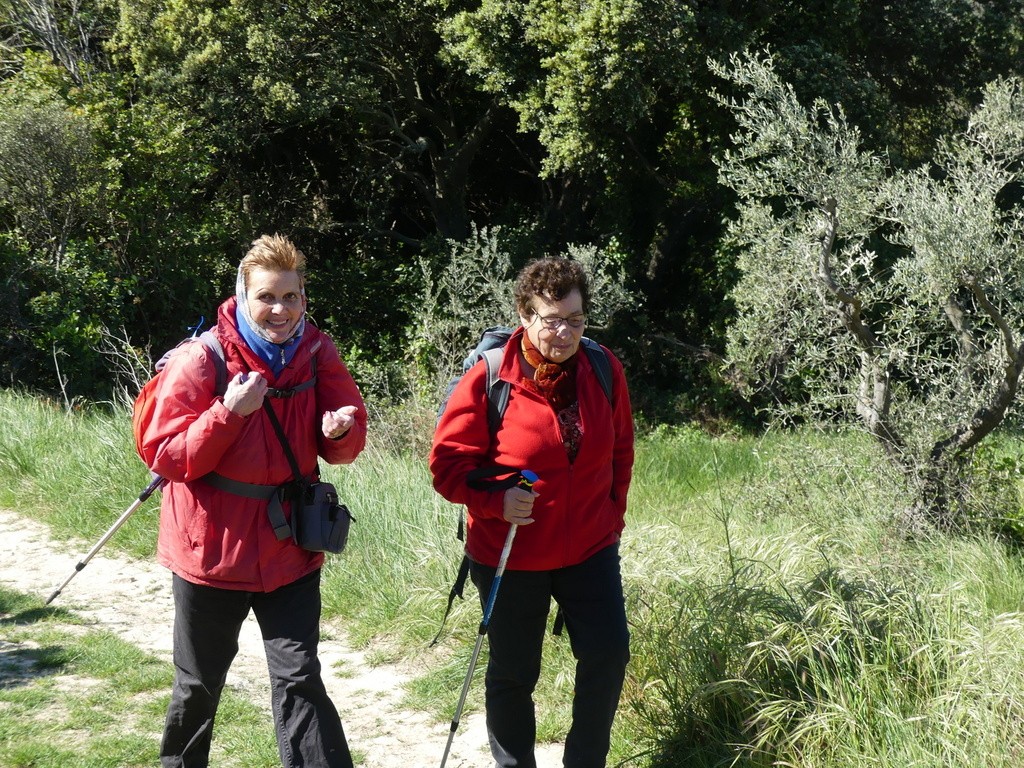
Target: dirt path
(133, 599)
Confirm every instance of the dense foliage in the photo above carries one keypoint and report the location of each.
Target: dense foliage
(144, 143)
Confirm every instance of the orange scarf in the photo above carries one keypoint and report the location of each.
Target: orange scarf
(556, 382)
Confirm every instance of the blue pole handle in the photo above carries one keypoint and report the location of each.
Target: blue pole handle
(527, 478)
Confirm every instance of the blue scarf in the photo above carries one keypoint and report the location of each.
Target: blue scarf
(277, 356)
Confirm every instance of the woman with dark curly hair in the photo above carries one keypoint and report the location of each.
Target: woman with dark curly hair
(561, 423)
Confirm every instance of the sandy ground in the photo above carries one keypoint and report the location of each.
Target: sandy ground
(133, 599)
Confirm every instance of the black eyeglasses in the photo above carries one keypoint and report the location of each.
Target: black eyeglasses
(554, 322)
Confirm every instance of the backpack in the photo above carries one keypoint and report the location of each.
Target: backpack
(145, 401)
(491, 348)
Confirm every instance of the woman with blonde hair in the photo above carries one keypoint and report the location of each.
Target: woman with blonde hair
(216, 533)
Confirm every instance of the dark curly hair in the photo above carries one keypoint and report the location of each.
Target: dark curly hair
(553, 279)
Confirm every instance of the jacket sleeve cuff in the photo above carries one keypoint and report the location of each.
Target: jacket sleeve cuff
(225, 414)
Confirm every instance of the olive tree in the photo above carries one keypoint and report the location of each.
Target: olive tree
(894, 299)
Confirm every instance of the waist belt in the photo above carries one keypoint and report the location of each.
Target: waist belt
(273, 494)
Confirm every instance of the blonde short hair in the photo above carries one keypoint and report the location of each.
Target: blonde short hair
(275, 253)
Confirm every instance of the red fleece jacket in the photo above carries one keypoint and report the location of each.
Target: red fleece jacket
(215, 538)
(581, 505)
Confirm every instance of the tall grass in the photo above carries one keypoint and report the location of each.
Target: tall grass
(779, 614)
(807, 634)
(76, 470)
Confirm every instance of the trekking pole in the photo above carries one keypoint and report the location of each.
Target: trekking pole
(145, 494)
(526, 481)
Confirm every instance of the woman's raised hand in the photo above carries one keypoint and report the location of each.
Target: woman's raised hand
(336, 423)
(245, 393)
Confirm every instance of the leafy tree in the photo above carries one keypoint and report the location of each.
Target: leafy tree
(616, 91)
(64, 29)
(888, 296)
(377, 132)
(46, 169)
(351, 94)
(333, 121)
(49, 188)
(576, 73)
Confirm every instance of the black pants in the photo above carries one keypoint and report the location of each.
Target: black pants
(207, 622)
(590, 595)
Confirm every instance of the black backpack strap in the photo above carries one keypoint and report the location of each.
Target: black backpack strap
(483, 478)
(599, 362)
(456, 591)
(559, 622)
(498, 390)
(284, 394)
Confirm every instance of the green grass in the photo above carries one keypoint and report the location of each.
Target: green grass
(73, 696)
(780, 612)
(76, 470)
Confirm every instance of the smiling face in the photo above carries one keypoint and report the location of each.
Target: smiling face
(276, 302)
(560, 343)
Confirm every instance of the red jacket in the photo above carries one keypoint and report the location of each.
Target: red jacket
(219, 539)
(582, 505)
